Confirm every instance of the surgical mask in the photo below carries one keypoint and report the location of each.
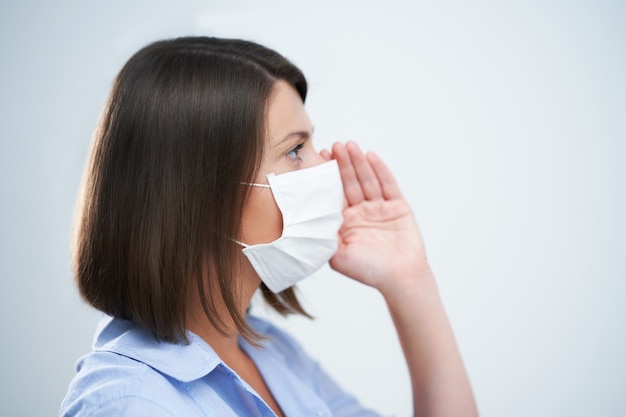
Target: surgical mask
(311, 203)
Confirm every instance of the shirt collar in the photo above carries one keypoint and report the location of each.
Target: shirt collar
(184, 362)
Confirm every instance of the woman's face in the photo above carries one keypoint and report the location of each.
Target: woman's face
(288, 147)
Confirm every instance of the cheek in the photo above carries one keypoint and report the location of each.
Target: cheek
(262, 221)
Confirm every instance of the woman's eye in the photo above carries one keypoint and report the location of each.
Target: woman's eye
(293, 154)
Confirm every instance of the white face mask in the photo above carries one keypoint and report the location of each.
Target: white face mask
(311, 202)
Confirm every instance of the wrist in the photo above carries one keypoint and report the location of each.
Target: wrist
(418, 284)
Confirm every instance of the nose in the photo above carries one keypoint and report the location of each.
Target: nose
(313, 159)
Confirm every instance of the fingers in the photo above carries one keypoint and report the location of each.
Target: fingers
(387, 181)
(364, 176)
(351, 186)
(327, 156)
(364, 172)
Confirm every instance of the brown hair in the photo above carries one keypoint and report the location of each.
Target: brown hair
(184, 126)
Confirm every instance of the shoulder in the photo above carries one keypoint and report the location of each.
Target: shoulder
(108, 384)
(129, 370)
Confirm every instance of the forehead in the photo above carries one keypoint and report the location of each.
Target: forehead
(286, 114)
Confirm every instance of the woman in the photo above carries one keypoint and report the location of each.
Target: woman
(203, 149)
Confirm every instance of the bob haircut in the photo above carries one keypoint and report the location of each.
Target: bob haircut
(184, 126)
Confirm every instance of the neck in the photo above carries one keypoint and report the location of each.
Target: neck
(225, 343)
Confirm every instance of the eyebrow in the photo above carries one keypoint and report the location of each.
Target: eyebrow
(302, 134)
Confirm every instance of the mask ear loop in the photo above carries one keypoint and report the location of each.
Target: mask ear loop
(253, 184)
(239, 243)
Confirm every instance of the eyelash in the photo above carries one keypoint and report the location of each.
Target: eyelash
(295, 150)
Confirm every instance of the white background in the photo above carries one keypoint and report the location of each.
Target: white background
(505, 123)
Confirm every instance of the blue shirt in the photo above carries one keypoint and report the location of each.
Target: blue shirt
(130, 373)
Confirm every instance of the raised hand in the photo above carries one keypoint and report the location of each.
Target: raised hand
(380, 244)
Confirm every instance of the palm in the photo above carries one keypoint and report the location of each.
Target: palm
(379, 239)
